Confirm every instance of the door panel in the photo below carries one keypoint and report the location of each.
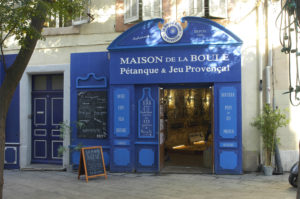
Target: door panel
(146, 141)
(122, 135)
(228, 135)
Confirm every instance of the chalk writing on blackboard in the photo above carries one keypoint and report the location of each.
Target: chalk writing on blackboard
(92, 114)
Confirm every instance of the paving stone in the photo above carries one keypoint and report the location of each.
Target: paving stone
(65, 185)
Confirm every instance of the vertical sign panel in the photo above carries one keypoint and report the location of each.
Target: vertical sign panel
(146, 119)
(121, 112)
(228, 147)
(228, 112)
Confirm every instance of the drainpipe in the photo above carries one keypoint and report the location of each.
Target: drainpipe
(260, 51)
(270, 76)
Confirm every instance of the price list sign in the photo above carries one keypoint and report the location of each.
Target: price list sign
(228, 112)
(121, 112)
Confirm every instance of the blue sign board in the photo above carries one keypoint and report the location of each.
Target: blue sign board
(184, 65)
(121, 112)
(146, 117)
(228, 112)
(204, 51)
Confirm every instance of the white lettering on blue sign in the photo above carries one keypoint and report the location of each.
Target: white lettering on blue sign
(209, 57)
(141, 60)
(220, 69)
(228, 131)
(121, 96)
(228, 107)
(133, 71)
(121, 130)
(121, 107)
(121, 119)
(228, 94)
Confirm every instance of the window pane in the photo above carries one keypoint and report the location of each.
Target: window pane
(39, 82)
(57, 82)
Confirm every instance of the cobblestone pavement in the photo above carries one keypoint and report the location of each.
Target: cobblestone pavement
(65, 185)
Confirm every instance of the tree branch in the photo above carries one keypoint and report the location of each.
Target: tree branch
(3, 60)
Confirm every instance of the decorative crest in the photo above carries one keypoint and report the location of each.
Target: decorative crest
(172, 31)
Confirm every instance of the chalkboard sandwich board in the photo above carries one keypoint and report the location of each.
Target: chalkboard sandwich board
(91, 163)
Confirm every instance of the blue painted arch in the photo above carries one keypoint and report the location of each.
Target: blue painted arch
(197, 32)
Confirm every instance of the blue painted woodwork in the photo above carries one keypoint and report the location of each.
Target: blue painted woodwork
(207, 53)
(228, 160)
(47, 111)
(122, 129)
(121, 112)
(146, 116)
(196, 64)
(146, 157)
(91, 81)
(228, 110)
(199, 31)
(121, 157)
(146, 144)
(89, 72)
(12, 129)
(228, 131)
(228, 145)
(11, 156)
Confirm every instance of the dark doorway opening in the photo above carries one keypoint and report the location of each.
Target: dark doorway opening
(186, 130)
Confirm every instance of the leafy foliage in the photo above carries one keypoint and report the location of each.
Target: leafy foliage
(66, 129)
(267, 123)
(16, 15)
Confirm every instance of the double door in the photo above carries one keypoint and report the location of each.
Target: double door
(47, 115)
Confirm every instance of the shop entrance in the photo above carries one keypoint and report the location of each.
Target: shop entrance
(186, 130)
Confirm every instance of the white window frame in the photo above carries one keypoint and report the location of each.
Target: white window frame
(83, 19)
(152, 10)
(140, 10)
(217, 13)
(131, 18)
(198, 13)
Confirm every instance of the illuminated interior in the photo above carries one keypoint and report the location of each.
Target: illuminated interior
(187, 116)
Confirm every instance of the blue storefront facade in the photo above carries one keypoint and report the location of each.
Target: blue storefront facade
(116, 94)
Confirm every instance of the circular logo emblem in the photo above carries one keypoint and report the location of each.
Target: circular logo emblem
(171, 32)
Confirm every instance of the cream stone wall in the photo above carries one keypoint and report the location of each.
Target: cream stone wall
(243, 23)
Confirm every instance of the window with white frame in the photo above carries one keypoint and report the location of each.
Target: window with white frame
(203, 8)
(196, 8)
(57, 20)
(140, 10)
(217, 8)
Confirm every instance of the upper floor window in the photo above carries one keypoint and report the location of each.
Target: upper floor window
(56, 19)
(217, 8)
(203, 8)
(140, 10)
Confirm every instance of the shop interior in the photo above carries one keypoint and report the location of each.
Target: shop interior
(186, 130)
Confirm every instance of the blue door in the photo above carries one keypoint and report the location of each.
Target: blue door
(122, 129)
(146, 138)
(47, 114)
(134, 138)
(228, 131)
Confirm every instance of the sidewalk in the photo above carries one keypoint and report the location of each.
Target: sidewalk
(64, 185)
